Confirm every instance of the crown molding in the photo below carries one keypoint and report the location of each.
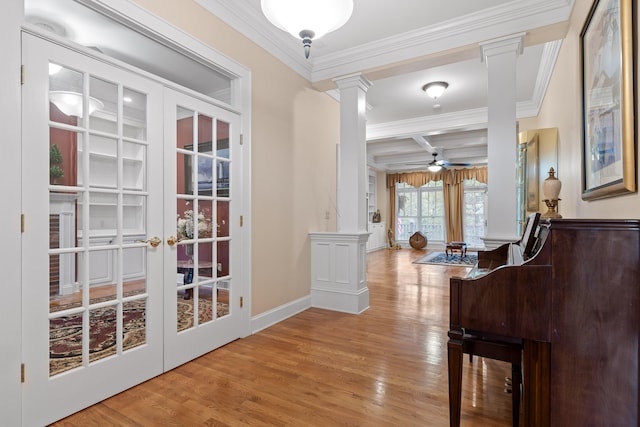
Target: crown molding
(545, 70)
(492, 23)
(250, 22)
(468, 119)
(514, 17)
(478, 117)
(462, 120)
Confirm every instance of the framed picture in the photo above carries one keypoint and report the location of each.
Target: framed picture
(608, 134)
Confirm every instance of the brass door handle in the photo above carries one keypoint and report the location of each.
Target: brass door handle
(154, 241)
(171, 240)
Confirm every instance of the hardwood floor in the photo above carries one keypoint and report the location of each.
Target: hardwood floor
(384, 367)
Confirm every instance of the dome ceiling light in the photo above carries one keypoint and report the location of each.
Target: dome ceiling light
(70, 103)
(435, 89)
(307, 20)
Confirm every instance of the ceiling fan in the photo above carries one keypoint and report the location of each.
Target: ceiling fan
(435, 165)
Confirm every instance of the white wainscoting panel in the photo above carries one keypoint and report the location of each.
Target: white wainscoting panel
(338, 271)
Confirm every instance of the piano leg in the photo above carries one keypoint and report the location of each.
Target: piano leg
(516, 386)
(454, 349)
(537, 384)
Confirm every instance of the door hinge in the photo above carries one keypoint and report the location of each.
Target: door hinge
(22, 74)
(22, 223)
(241, 139)
(241, 220)
(241, 302)
(22, 373)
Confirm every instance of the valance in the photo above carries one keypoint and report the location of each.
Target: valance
(451, 176)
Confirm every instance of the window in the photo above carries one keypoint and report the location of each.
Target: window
(420, 209)
(473, 220)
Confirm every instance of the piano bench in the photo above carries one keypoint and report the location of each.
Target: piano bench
(504, 349)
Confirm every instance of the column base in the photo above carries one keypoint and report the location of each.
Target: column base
(339, 271)
(337, 300)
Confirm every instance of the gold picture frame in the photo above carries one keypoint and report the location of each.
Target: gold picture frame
(608, 133)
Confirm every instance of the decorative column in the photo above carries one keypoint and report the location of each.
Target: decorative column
(338, 260)
(352, 168)
(500, 56)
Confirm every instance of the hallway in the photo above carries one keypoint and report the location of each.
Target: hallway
(385, 367)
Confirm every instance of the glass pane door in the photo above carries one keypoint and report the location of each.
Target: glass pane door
(201, 221)
(97, 219)
(92, 296)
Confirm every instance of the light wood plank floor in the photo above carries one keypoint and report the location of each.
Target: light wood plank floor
(385, 367)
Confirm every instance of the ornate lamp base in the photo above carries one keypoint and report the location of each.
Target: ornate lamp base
(551, 209)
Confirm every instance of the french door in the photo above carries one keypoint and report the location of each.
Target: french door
(202, 174)
(129, 262)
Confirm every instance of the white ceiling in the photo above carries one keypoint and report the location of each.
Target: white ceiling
(399, 46)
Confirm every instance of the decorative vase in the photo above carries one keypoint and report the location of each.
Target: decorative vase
(551, 189)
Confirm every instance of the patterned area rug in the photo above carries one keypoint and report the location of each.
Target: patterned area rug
(65, 333)
(440, 258)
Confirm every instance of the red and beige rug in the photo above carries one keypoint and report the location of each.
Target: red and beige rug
(65, 333)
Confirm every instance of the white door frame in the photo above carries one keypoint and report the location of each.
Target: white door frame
(10, 128)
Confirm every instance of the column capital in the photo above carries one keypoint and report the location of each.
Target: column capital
(512, 43)
(353, 80)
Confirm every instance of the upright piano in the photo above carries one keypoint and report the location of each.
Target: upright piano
(575, 304)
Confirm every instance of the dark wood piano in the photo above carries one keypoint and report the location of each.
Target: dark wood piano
(575, 304)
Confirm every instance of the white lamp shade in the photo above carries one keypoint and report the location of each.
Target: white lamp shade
(434, 168)
(70, 103)
(320, 16)
(435, 89)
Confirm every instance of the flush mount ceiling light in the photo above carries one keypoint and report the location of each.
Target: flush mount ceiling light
(435, 89)
(70, 103)
(54, 68)
(307, 19)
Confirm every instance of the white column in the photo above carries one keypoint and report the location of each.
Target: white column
(352, 168)
(338, 260)
(500, 56)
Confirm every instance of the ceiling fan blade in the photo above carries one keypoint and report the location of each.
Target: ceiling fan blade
(446, 163)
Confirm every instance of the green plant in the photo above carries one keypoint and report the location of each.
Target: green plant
(55, 160)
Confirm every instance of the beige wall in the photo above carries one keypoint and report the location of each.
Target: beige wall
(562, 109)
(295, 130)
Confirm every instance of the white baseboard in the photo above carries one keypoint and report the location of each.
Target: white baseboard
(278, 314)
